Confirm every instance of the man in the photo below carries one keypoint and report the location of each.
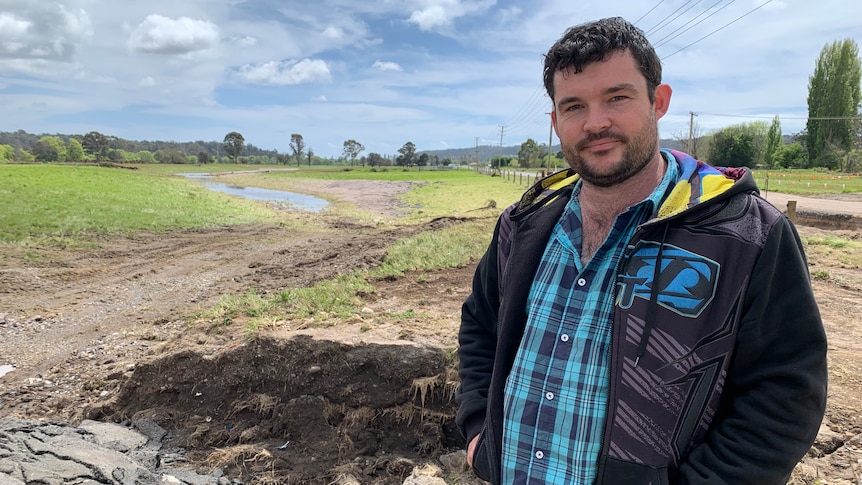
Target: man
(641, 317)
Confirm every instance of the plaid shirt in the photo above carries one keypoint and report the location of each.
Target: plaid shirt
(557, 392)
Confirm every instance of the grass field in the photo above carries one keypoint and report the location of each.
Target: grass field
(65, 203)
(807, 182)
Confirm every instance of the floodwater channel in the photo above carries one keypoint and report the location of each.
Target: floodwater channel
(290, 200)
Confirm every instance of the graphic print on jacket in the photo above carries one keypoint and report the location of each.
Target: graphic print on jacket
(689, 350)
(688, 280)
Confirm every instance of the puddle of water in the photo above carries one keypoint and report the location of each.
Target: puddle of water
(290, 199)
(5, 369)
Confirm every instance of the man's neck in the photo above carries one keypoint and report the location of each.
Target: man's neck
(609, 202)
(600, 206)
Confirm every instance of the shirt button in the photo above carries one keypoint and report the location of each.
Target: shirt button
(582, 282)
(564, 337)
(539, 455)
(550, 396)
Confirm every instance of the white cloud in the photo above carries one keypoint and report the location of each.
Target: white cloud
(333, 33)
(320, 98)
(437, 14)
(286, 72)
(147, 82)
(386, 66)
(431, 17)
(247, 41)
(44, 30)
(163, 35)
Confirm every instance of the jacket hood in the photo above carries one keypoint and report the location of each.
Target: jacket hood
(700, 182)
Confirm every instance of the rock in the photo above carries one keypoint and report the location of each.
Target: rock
(425, 475)
(455, 462)
(94, 452)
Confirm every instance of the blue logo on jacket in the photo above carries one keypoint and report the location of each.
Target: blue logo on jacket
(688, 280)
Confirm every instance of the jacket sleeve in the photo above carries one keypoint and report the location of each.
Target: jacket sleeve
(775, 391)
(477, 340)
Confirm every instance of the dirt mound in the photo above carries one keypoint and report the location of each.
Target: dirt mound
(301, 410)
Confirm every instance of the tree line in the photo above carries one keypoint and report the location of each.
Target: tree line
(94, 146)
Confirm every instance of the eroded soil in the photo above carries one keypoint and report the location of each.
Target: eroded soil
(111, 333)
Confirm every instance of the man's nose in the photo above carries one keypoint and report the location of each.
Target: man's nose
(597, 120)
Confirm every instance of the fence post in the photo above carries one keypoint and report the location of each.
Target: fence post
(791, 210)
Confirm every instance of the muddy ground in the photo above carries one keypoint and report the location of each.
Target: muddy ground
(114, 332)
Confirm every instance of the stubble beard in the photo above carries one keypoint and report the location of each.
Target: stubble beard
(638, 152)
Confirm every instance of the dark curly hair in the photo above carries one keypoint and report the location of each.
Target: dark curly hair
(593, 42)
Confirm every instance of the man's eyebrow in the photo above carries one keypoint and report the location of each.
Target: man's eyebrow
(621, 87)
(616, 88)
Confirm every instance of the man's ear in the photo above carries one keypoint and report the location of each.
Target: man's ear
(663, 93)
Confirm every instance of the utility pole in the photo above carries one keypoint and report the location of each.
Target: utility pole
(499, 159)
(550, 142)
(477, 152)
(691, 149)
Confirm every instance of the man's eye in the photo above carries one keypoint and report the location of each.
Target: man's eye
(574, 107)
(619, 98)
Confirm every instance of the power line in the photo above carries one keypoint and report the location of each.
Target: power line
(661, 23)
(720, 28)
(664, 40)
(523, 117)
(834, 118)
(649, 11)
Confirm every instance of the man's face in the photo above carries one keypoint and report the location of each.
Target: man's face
(605, 121)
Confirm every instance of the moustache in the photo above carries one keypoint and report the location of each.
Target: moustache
(604, 135)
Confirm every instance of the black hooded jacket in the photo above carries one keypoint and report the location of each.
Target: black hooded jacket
(718, 370)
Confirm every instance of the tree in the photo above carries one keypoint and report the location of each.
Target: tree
(96, 144)
(408, 152)
(7, 153)
(170, 155)
(233, 145)
(528, 155)
(692, 140)
(773, 141)
(145, 156)
(352, 149)
(204, 157)
(75, 152)
(793, 155)
(733, 146)
(297, 146)
(310, 155)
(834, 96)
(375, 159)
(49, 149)
(500, 161)
(423, 160)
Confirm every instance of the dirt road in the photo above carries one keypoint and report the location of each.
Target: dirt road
(104, 333)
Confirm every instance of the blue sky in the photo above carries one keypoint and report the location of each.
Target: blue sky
(439, 73)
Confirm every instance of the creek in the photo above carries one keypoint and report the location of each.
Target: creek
(292, 200)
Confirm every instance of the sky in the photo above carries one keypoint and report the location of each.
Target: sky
(438, 73)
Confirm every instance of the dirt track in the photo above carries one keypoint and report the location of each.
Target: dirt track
(104, 333)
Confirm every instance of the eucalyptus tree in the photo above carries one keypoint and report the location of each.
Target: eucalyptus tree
(297, 146)
(352, 149)
(233, 144)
